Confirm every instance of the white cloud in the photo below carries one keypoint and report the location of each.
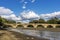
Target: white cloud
(25, 2)
(25, 21)
(26, 15)
(22, 1)
(50, 15)
(11, 17)
(24, 7)
(32, 1)
(4, 10)
(8, 14)
(29, 15)
(4, 16)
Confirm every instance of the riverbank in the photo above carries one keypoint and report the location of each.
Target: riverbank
(43, 29)
(10, 35)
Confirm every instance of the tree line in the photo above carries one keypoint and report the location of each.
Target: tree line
(54, 20)
(2, 21)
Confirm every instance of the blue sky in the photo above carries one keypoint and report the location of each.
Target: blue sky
(29, 9)
(39, 6)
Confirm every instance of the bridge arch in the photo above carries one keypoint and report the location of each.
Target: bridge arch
(58, 26)
(49, 26)
(8, 26)
(30, 26)
(20, 26)
(40, 26)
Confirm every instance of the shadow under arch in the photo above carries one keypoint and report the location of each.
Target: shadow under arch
(40, 26)
(58, 26)
(49, 26)
(30, 26)
(8, 26)
(20, 26)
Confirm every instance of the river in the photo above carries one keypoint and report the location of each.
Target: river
(42, 34)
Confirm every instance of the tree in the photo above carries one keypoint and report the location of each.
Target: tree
(1, 23)
(38, 21)
(34, 21)
(0, 19)
(58, 22)
(41, 21)
(53, 20)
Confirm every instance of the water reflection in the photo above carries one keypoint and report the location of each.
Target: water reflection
(43, 34)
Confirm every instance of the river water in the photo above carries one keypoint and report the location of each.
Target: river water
(41, 34)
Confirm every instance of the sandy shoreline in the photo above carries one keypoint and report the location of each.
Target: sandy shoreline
(44, 29)
(10, 35)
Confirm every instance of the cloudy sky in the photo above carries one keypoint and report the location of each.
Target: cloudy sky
(25, 10)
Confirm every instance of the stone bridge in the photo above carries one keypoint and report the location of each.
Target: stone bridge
(32, 25)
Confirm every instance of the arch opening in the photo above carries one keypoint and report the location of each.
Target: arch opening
(58, 26)
(40, 26)
(49, 26)
(30, 26)
(7, 26)
(19, 26)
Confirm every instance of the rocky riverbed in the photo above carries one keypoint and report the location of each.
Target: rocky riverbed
(10, 35)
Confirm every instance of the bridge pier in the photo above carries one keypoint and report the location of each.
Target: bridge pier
(54, 26)
(35, 26)
(14, 26)
(25, 26)
(45, 26)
